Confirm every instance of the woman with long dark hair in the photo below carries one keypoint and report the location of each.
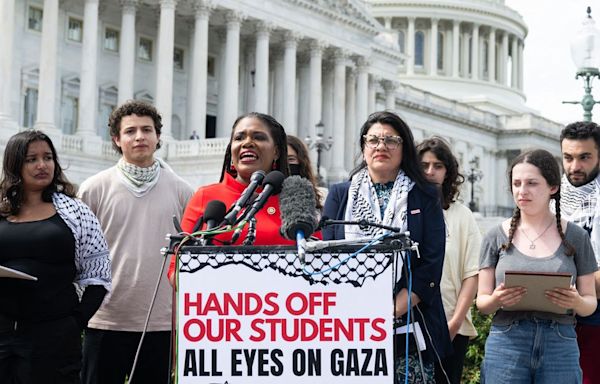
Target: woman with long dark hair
(389, 187)
(299, 163)
(47, 233)
(461, 260)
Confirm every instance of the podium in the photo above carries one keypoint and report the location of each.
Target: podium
(257, 315)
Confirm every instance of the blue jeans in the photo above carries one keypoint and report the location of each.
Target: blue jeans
(531, 351)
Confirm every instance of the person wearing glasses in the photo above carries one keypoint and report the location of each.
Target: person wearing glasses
(389, 187)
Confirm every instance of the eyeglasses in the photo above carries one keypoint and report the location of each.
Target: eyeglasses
(390, 142)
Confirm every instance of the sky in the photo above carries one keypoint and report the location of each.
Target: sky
(549, 71)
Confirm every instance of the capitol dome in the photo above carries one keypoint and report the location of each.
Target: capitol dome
(467, 50)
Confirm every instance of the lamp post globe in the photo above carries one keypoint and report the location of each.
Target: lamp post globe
(585, 52)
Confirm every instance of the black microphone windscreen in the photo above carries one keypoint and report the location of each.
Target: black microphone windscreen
(275, 179)
(215, 210)
(297, 204)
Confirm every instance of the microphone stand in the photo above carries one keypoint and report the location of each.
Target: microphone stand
(405, 243)
(361, 223)
(251, 236)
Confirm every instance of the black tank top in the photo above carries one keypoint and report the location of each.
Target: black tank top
(46, 250)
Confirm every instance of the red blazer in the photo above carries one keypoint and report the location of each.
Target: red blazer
(268, 220)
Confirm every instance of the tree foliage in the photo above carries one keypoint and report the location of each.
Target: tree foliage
(476, 348)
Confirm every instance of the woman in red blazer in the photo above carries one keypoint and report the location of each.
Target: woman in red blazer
(258, 142)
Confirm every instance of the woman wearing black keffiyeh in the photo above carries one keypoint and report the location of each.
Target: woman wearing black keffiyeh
(389, 187)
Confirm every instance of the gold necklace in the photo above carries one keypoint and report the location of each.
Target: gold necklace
(532, 245)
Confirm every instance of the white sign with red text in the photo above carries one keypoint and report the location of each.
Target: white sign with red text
(238, 325)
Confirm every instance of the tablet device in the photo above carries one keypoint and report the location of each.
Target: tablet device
(536, 284)
(14, 274)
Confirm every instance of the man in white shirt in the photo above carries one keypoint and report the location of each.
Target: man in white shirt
(579, 195)
(134, 201)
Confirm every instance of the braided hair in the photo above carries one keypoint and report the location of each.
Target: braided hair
(546, 163)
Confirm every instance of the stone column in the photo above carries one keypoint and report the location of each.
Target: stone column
(433, 47)
(316, 86)
(221, 129)
(289, 82)
(492, 56)
(410, 47)
(48, 69)
(504, 60)
(514, 82)
(520, 70)
(362, 91)
(475, 53)
(261, 76)
(339, 115)
(372, 96)
(199, 69)
(465, 61)
(7, 26)
(390, 94)
(387, 22)
(127, 49)
(350, 107)
(277, 63)
(455, 48)
(164, 65)
(88, 90)
(231, 68)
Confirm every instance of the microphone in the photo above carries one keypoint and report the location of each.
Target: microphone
(271, 186)
(298, 211)
(256, 181)
(213, 215)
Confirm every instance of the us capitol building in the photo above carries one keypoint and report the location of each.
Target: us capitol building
(449, 67)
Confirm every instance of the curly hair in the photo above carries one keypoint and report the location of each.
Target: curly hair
(453, 179)
(581, 130)
(11, 184)
(546, 163)
(410, 163)
(133, 107)
(277, 133)
(305, 166)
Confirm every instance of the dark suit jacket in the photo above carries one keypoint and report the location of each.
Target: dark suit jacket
(426, 226)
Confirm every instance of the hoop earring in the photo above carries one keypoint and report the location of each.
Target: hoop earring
(274, 165)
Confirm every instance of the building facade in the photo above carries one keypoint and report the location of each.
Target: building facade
(202, 63)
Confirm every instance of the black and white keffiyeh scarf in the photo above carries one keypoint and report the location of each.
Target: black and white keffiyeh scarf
(137, 179)
(580, 206)
(363, 204)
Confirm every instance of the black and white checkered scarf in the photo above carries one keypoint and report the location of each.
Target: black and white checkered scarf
(363, 204)
(580, 206)
(137, 179)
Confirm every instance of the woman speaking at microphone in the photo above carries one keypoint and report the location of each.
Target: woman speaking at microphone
(258, 143)
(389, 188)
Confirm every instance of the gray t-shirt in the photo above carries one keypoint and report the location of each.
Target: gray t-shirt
(492, 256)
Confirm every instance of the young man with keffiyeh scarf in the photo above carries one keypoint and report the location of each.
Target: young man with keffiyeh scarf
(135, 201)
(579, 202)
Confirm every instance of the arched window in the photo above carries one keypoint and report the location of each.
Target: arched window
(419, 48)
(401, 41)
(440, 51)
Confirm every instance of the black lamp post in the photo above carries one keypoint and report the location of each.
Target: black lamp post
(320, 144)
(474, 176)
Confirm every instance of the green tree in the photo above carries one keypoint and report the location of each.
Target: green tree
(476, 348)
